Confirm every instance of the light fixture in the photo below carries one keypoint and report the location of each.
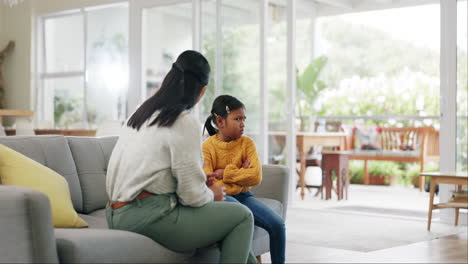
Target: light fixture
(12, 2)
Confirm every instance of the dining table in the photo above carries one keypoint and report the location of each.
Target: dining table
(306, 140)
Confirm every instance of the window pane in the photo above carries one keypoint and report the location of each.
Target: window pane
(462, 87)
(64, 102)
(307, 89)
(241, 68)
(64, 44)
(276, 79)
(107, 64)
(384, 62)
(167, 32)
(208, 48)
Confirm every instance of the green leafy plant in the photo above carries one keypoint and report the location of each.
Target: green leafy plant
(356, 172)
(308, 88)
(410, 173)
(65, 111)
(61, 107)
(384, 169)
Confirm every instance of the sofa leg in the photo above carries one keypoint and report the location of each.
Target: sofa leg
(259, 259)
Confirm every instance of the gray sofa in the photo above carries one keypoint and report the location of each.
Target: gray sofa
(26, 230)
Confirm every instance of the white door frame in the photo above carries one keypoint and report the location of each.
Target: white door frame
(291, 97)
(448, 98)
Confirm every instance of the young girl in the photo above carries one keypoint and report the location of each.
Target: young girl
(232, 159)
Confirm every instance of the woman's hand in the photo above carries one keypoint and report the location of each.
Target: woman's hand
(218, 192)
(219, 174)
(210, 179)
(246, 164)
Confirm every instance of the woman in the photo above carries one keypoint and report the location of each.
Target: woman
(155, 179)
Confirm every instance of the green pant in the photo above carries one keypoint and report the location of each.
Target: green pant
(184, 228)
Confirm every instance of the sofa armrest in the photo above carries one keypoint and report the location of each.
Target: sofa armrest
(26, 230)
(275, 184)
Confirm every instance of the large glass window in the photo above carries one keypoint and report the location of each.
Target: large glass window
(462, 87)
(84, 73)
(381, 63)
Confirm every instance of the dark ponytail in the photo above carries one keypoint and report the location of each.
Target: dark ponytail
(178, 92)
(222, 106)
(209, 125)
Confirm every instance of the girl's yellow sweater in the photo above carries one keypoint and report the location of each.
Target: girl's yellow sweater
(230, 156)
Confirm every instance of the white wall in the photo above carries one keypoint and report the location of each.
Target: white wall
(17, 23)
(17, 71)
(1, 25)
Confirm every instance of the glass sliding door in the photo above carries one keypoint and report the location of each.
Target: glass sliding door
(209, 50)
(107, 64)
(166, 32)
(276, 43)
(240, 58)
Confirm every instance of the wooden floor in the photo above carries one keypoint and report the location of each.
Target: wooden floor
(444, 249)
(450, 249)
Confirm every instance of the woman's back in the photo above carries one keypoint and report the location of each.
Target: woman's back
(150, 159)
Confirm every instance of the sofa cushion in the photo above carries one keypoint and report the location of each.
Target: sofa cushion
(94, 221)
(53, 152)
(19, 170)
(111, 246)
(91, 157)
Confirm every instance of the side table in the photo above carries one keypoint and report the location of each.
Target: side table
(458, 178)
(335, 162)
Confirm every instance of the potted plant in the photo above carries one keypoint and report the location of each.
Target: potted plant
(356, 172)
(383, 172)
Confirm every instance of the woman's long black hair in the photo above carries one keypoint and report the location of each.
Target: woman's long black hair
(222, 105)
(178, 92)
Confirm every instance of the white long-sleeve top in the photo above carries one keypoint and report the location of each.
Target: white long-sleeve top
(161, 160)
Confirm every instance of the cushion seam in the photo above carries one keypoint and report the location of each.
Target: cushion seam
(78, 178)
(102, 152)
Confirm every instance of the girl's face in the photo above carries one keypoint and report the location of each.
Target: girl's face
(233, 126)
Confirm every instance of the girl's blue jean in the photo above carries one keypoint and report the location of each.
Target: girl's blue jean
(267, 219)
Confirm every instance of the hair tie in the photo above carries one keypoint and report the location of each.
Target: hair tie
(228, 110)
(177, 66)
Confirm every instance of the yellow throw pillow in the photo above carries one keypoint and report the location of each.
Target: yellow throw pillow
(19, 170)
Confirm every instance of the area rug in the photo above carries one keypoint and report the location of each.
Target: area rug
(359, 232)
(385, 211)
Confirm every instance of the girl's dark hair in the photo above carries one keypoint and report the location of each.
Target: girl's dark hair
(222, 105)
(178, 92)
